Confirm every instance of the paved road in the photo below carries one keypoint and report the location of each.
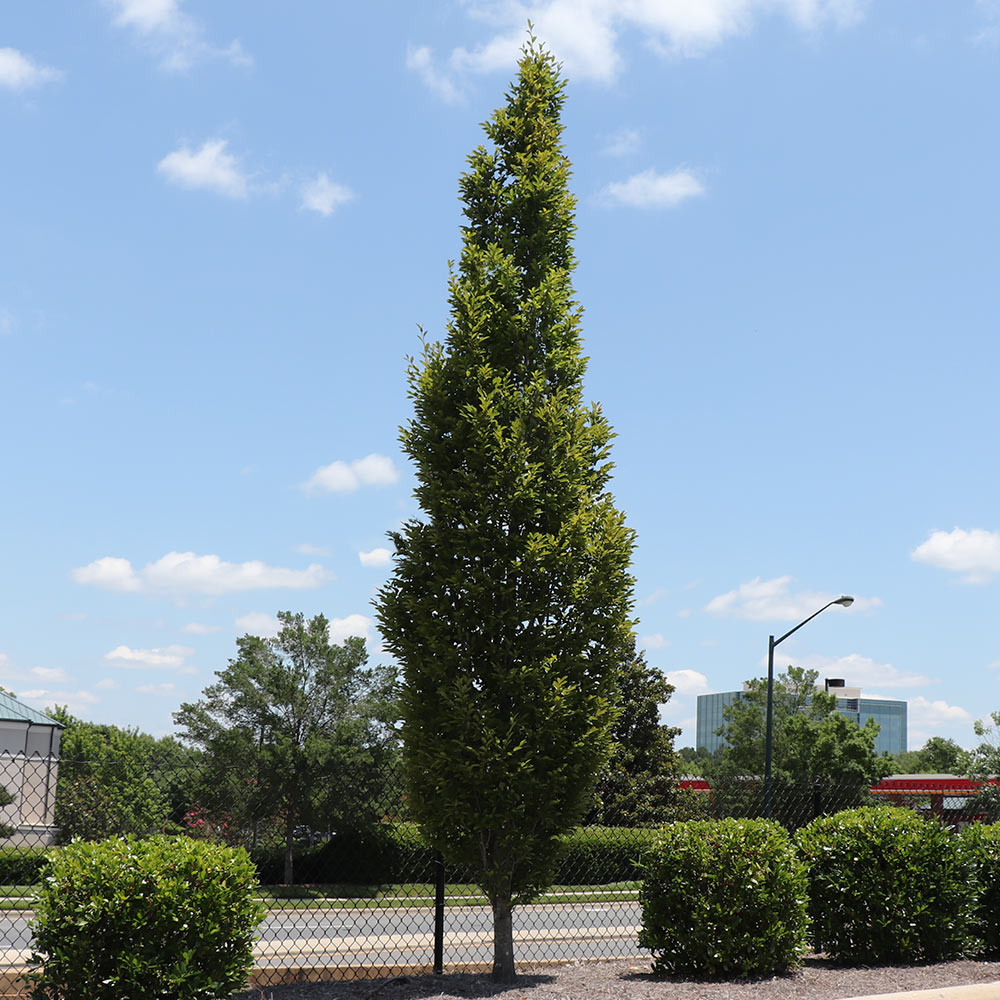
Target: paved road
(404, 936)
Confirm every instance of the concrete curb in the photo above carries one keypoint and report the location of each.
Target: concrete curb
(977, 991)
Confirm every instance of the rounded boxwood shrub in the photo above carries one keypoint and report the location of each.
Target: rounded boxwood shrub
(723, 898)
(166, 918)
(886, 886)
(982, 841)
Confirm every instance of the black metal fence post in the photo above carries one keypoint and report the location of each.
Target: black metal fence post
(439, 916)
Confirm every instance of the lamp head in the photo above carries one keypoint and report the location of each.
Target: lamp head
(844, 601)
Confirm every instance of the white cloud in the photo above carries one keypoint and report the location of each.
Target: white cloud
(312, 550)
(53, 675)
(585, 34)
(652, 190)
(688, 682)
(654, 641)
(975, 554)
(109, 572)
(172, 34)
(169, 656)
(160, 690)
(77, 702)
(107, 684)
(341, 477)
(685, 613)
(989, 32)
(624, 142)
(196, 628)
(210, 168)
(653, 596)
(258, 623)
(21, 72)
(926, 718)
(857, 671)
(185, 572)
(343, 628)
(772, 600)
(377, 557)
(50, 675)
(325, 196)
(421, 61)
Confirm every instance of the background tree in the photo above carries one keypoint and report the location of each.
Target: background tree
(637, 786)
(937, 756)
(114, 781)
(983, 763)
(297, 729)
(694, 761)
(811, 743)
(509, 603)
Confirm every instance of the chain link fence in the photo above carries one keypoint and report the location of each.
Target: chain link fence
(357, 893)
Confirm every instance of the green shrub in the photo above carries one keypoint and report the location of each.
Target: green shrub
(22, 865)
(724, 898)
(383, 854)
(982, 840)
(167, 918)
(594, 855)
(886, 886)
(390, 853)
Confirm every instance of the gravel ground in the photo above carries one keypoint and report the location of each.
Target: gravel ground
(817, 980)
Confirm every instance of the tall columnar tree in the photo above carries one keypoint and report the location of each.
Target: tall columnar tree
(509, 602)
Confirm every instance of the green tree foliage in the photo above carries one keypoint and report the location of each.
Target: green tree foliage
(115, 781)
(637, 785)
(983, 763)
(811, 740)
(509, 603)
(937, 756)
(296, 731)
(694, 761)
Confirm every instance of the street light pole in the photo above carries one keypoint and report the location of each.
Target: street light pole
(845, 602)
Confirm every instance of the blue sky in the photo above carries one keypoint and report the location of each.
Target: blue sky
(220, 225)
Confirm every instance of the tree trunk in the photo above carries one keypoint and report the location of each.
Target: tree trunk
(503, 941)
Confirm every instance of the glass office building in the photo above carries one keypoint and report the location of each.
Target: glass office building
(889, 714)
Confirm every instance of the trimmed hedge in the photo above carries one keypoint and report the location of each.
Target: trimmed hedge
(982, 841)
(886, 886)
(385, 854)
(23, 865)
(392, 853)
(724, 899)
(595, 855)
(164, 918)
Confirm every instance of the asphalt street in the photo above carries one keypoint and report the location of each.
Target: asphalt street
(404, 935)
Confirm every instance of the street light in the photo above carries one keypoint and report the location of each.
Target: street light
(845, 602)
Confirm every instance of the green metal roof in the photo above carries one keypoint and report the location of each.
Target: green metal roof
(11, 710)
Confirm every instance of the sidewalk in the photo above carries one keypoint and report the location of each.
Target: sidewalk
(977, 991)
